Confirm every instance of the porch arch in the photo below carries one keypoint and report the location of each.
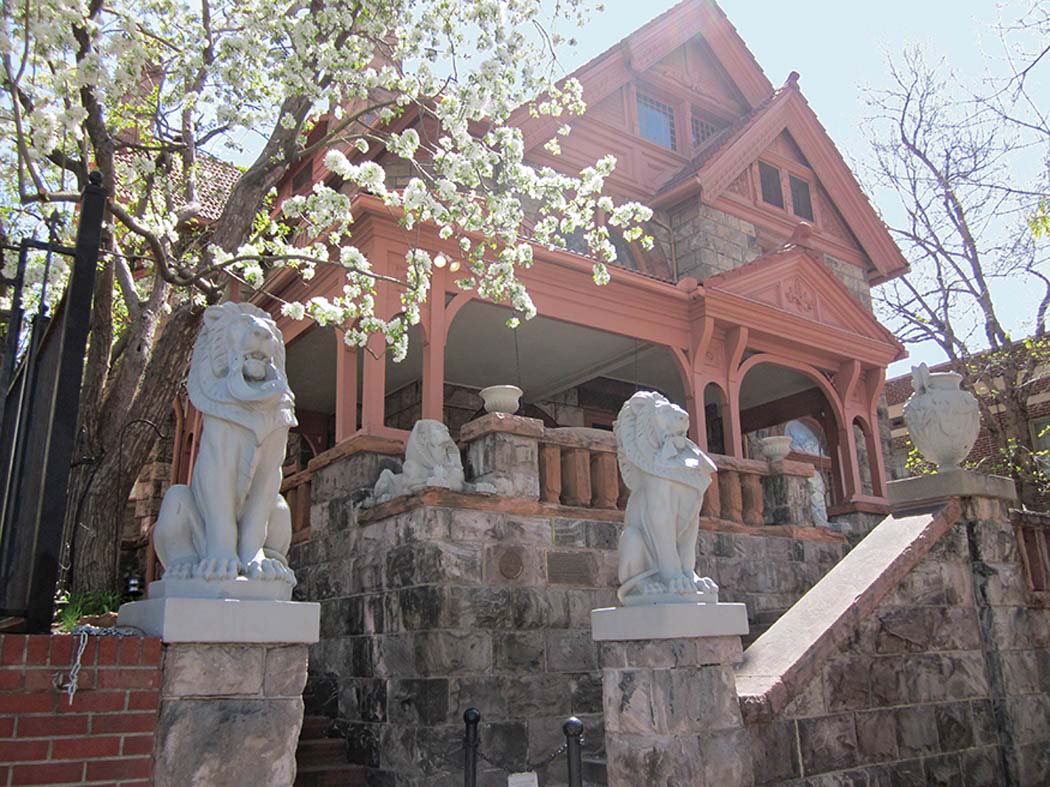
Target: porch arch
(771, 391)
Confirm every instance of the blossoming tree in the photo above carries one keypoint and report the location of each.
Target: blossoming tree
(143, 91)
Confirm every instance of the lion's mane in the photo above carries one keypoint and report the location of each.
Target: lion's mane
(640, 444)
(209, 382)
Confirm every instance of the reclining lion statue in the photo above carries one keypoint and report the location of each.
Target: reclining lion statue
(667, 475)
(232, 520)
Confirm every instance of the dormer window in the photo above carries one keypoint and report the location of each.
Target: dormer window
(656, 121)
(775, 183)
(704, 127)
(769, 177)
(801, 203)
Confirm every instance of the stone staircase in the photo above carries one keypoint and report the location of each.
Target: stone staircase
(321, 756)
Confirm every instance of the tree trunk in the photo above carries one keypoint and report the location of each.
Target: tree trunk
(99, 489)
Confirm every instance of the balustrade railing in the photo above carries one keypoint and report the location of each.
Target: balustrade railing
(578, 467)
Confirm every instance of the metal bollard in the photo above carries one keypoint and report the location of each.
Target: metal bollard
(573, 729)
(471, 719)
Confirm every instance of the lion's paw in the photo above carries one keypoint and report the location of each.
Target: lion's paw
(216, 569)
(681, 584)
(268, 569)
(706, 585)
(182, 569)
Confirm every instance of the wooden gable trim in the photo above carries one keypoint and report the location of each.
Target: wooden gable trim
(740, 283)
(790, 111)
(646, 47)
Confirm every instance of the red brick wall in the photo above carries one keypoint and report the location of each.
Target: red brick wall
(104, 737)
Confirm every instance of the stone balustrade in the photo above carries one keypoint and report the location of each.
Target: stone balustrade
(566, 466)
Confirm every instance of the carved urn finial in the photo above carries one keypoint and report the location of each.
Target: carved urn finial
(943, 419)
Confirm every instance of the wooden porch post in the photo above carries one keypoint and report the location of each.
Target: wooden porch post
(373, 387)
(850, 467)
(345, 389)
(436, 332)
(736, 343)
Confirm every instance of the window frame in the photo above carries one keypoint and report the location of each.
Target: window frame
(642, 90)
(787, 169)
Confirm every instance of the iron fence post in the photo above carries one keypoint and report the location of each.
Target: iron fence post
(65, 406)
(573, 729)
(471, 719)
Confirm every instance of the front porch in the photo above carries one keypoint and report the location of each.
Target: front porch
(775, 342)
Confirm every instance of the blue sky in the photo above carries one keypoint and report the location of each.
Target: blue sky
(839, 48)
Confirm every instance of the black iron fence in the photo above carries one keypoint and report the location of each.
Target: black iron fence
(39, 403)
(472, 753)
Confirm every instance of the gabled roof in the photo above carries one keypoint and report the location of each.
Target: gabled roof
(646, 46)
(792, 280)
(725, 158)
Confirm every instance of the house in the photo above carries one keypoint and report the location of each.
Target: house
(751, 310)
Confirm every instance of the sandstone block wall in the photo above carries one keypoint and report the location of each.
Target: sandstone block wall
(947, 683)
(431, 606)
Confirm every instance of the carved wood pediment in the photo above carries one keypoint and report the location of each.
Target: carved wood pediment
(792, 281)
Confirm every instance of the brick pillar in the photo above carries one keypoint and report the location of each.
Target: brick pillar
(671, 712)
(229, 714)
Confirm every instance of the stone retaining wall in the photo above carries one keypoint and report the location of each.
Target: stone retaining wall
(947, 682)
(439, 602)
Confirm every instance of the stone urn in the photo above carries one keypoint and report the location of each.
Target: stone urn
(775, 448)
(943, 419)
(501, 398)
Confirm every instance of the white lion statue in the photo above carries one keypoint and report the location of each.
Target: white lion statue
(667, 475)
(231, 519)
(431, 459)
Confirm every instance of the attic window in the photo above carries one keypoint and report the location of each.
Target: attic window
(801, 204)
(704, 127)
(656, 121)
(771, 188)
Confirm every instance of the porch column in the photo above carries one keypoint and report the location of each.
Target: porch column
(373, 386)
(697, 415)
(434, 354)
(875, 458)
(736, 343)
(345, 390)
(831, 432)
(850, 468)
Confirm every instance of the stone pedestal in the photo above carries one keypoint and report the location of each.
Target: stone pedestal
(934, 489)
(671, 712)
(669, 696)
(503, 450)
(231, 692)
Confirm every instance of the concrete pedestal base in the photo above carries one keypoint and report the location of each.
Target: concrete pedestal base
(232, 682)
(930, 490)
(671, 710)
(223, 620)
(668, 621)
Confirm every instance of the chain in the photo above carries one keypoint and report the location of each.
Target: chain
(529, 766)
(69, 684)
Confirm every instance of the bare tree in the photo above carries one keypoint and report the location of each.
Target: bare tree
(954, 161)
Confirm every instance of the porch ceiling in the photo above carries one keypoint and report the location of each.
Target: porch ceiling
(554, 355)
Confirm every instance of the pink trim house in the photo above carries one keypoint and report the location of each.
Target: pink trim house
(752, 309)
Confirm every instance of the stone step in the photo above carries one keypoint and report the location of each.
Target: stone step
(315, 727)
(320, 753)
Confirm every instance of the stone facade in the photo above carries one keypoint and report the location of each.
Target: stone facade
(708, 242)
(948, 682)
(435, 603)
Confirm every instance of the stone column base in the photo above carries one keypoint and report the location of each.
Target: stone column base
(230, 714)
(223, 620)
(668, 621)
(671, 713)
